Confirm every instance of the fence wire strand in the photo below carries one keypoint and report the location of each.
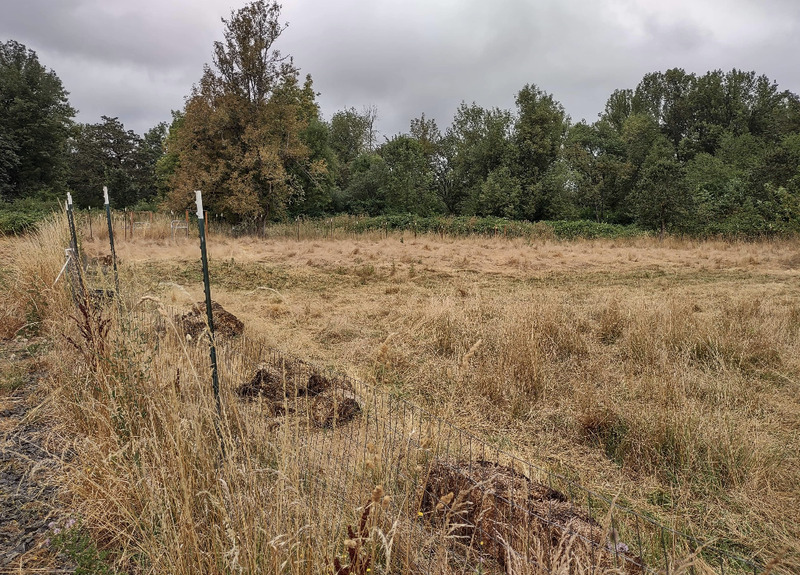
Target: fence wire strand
(500, 508)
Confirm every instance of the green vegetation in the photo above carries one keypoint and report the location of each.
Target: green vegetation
(35, 119)
(22, 215)
(489, 226)
(713, 154)
(77, 544)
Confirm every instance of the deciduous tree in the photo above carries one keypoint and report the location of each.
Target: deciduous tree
(539, 131)
(35, 119)
(106, 154)
(240, 140)
(660, 199)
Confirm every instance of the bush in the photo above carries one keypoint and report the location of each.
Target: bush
(22, 216)
(489, 226)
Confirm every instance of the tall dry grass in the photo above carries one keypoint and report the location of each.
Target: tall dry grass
(664, 371)
(683, 405)
(678, 392)
(165, 484)
(28, 271)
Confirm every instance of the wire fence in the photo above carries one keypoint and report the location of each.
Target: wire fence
(450, 487)
(485, 504)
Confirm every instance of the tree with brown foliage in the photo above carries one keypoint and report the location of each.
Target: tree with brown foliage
(241, 138)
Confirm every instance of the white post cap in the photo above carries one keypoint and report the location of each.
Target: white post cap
(105, 194)
(69, 199)
(199, 201)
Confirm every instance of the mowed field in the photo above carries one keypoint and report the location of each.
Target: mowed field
(665, 373)
(662, 372)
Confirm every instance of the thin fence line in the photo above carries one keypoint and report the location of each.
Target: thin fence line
(472, 437)
(400, 425)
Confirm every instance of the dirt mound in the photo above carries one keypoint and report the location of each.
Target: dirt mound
(317, 383)
(329, 401)
(267, 383)
(193, 323)
(274, 385)
(503, 514)
(334, 407)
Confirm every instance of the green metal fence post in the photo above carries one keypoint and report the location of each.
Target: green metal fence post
(207, 285)
(77, 268)
(111, 239)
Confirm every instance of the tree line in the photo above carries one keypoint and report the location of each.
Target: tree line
(717, 153)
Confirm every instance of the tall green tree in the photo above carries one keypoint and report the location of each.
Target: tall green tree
(539, 131)
(500, 194)
(557, 194)
(481, 143)
(426, 132)
(660, 199)
(709, 181)
(603, 174)
(439, 151)
(352, 133)
(368, 182)
(666, 97)
(167, 164)
(317, 177)
(619, 107)
(639, 133)
(410, 184)
(106, 154)
(35, 120)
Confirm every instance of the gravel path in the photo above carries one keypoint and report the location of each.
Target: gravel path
(29, 471)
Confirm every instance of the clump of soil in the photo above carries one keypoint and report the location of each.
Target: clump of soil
(329, 401)
(297, 387)
(317, 383)
(266, 383)
(503, 514)
(274, 385)
(334, 407)
(193, 323)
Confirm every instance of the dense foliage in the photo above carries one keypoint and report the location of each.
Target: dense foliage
(486, 226)
(242, 135)
(35, 119)
(717, 153)
(106, 154)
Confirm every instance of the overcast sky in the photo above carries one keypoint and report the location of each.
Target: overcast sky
(138, 59)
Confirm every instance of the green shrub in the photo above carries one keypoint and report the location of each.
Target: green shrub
(22, 216)
(488, 226)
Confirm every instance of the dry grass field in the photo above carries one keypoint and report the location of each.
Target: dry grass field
(664, 373)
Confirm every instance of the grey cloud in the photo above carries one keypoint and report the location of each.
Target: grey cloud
(139, 60)
(141, 33)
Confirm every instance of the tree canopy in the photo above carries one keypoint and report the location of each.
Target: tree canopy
(717, 153)
(241, 138)
(106, 154)
(35, 120)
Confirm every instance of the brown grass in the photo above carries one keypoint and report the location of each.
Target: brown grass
(665, 372)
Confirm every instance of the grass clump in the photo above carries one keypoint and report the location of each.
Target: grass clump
(77, 545)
